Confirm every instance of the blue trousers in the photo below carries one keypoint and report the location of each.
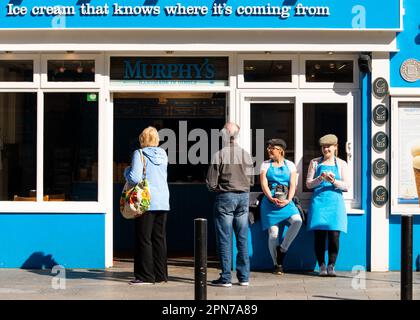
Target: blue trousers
(231, 215)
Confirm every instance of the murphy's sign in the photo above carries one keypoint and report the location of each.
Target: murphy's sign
(203, 14)
(170, 70)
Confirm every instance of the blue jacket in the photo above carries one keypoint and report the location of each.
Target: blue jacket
(156, 174)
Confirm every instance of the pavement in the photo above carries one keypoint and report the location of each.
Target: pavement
(112, 284)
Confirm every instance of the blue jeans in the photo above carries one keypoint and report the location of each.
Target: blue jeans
(231, 214)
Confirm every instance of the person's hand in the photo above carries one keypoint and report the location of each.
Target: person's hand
(284, 203)
(323, 175)
(330, 177)
(276, 201)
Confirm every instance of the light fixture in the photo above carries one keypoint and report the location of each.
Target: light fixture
(8, 52)
(169, 52)
(62, 68)
(330, 53)
(79, 68)
(342, 66)
(267, 52)
(249, 68)
(70, 51)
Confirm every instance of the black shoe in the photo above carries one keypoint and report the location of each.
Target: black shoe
(280, 256)
(221, 283)
(278, 270)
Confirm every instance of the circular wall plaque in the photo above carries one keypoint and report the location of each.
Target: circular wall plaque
(380, 196)
(380, 87)
(380, 168)
(380, 114)
(410, 70)
(380, 141)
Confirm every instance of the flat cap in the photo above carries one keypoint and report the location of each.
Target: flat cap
(277, 142)
(328, 139)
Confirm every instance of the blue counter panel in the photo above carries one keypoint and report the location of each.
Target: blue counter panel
(395, 243)
(301, 255)
(40, 241)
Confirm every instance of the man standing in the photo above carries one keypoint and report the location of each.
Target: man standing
(230, 175)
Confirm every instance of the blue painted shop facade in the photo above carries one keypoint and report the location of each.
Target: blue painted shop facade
(78, 83)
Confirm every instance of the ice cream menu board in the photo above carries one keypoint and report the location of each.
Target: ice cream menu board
(409, 142)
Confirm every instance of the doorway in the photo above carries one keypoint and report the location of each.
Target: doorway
(183, 114)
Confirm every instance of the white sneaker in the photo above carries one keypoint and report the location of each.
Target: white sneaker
(244, 283)
(323, 270)
(137, 282)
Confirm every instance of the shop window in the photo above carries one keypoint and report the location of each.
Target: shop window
(267, 71)
(338, 71)
(18, 146)
(177, 113)
(16, 71)
(71, 70)
(71, 146)
(320, 119)
(278, 121)
(405, 147)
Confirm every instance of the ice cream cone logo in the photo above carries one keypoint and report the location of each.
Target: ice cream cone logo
(415, 152)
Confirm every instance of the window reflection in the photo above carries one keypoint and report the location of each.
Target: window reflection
(268, 71)
(16, 70)
(71, 70)
(329, 71)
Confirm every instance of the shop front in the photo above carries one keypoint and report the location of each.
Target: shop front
(77, 88)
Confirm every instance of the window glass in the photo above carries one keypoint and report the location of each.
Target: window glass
(71, 146)
(179, 113)
(320, 119)
(329, 71)
(268, 71)
(16, 70)
(278, 121)
(409, 139)
(71, 70)
(17, 146)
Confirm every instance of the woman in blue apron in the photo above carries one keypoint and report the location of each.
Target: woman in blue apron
(327, 176)
(277, 206)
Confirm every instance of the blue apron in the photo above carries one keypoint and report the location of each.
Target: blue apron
(270, 213)
(327, 210)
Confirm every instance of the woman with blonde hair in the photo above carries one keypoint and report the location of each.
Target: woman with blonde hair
(328, 177)
(150, 257)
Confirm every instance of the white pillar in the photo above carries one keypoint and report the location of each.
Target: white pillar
(379, 259)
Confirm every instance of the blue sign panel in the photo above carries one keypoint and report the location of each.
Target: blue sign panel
(213, 14)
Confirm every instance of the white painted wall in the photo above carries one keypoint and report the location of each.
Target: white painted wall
(379, 216)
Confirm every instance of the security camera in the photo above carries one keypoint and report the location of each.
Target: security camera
(365, 62)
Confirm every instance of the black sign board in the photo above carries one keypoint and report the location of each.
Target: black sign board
(380, 168)
(380, 141)
(380, 114)
(380, 196)
(380, 87)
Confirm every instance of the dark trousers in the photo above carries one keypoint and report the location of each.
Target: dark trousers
(150, 259)
(333, 245)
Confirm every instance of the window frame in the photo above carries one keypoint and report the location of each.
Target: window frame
(76, 84)
(256, 85)
(351, 97)
(396, 208)
(328, 85)
(22, 84)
